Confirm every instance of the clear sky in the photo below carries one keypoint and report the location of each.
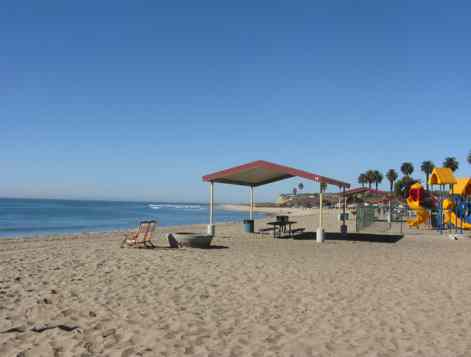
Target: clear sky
(139, 99)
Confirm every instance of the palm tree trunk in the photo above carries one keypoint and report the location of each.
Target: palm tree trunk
(426, 180)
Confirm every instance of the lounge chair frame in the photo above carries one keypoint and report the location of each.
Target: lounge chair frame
(145, 230)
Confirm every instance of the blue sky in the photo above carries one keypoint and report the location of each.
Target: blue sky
(139, 99)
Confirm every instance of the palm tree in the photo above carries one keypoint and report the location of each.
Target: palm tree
(300, 186)
(407, 168)
(378, 178)
(391, 175)
(370, 177)
(402, 186)
(451, 163)
(427, 168)
(469, 158)
(362, 179)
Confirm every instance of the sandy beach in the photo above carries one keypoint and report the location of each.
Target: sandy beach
(250, 295)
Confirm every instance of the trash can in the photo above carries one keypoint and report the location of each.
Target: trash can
(249, 225)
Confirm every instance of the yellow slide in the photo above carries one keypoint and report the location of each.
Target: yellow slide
(451, 217)
(421, 213)
(455, 220)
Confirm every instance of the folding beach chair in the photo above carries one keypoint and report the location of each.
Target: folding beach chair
(143, 236)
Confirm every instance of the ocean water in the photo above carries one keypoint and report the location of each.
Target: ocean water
(28, 217)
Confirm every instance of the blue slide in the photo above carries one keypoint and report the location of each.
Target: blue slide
(463, 209)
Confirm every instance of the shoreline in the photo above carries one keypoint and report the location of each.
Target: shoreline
(269, 213)
(200, 227)
(90, 231)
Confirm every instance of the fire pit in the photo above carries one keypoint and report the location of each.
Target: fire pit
(189, 239)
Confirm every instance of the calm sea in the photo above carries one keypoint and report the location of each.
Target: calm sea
(27, 217)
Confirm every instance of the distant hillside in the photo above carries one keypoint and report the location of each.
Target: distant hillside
(361, 195)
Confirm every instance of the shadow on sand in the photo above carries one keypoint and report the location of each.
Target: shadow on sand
(210, 247)
(354, 237)
(184, 247)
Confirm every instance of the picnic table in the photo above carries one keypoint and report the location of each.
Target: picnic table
(281, 225)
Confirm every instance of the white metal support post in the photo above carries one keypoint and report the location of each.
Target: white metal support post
(211, 208)
(320, 230)
(251, 202)
(343, 227)
(321, 204)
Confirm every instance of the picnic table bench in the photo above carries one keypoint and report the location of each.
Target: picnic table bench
(297, 230)
(280, 226)
(263, 230)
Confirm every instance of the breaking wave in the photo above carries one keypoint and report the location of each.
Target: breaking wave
(176, 206)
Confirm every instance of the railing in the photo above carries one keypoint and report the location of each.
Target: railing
(365, 216)
(377, 219)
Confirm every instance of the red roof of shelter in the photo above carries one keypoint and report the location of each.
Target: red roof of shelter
(261, 172)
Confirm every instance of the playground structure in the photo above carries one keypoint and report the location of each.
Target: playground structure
(415, 202)
(449, 208)
(457, 208)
